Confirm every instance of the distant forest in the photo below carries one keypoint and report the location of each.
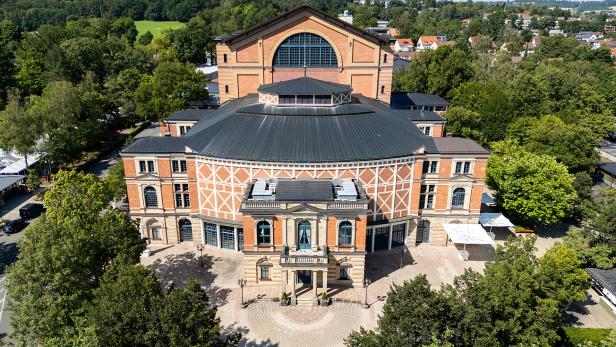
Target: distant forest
(580, 6)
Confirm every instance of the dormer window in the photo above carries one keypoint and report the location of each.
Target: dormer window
(305, 91)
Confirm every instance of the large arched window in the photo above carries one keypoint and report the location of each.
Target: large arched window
(264, 233)
(345, 233)
(149, 196)
(305, 49)
(457, 199)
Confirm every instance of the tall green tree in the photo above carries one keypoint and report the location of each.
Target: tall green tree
(168, 89)
(534, 187)
(63, 255)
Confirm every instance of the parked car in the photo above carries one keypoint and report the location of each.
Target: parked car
(31, 210)
(14, 226)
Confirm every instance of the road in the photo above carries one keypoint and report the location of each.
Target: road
(8, 243)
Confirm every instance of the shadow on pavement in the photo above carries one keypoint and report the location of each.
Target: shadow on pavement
(383, 263)
(13, 203)
(180, 268)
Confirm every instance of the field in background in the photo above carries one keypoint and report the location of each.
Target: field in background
(156, 27)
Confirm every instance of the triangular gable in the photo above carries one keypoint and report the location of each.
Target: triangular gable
(304, 207)
(322, 15)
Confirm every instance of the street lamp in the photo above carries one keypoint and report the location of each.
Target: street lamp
(200, 249)
(366, 284)
(242, 282)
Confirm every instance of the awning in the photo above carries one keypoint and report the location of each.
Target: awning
(9, 180)
(494, 220)
(20, 165)
(487, 200)
(468, 234)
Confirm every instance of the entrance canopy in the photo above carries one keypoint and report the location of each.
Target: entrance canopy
(496, 220)
(468, 234)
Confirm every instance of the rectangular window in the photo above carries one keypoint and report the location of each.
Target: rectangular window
(322, 99)
(184, 129)
(463, 167)
(265, 273)
(146, 166)
(151, 166)
(426, 196)
(428, 131)
(182, 195)
(224, 58)
(226, 88)
(467, 167)
(382, 89)
(344, 273)
(141, 166)
(458, 168)
(305, 99)
(227, 237)
(211, 234)
(384, 58)
(286, 99)
(179, 166)
(430, 166)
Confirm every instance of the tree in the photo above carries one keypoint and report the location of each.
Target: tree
(570, 144)
(20, 130)
(125, 28)
(167, 91)
(601, 217)
(465, 123)
(63, 256)
(590, 251)
(146, 38)
(534, 187)
(185, 318)
(123, 305)
(562, 277)
(412, 315)
(115, 182)
(33, 181)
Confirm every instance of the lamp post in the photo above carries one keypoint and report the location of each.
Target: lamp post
(242, 282)
(366, 284)
(200, 249)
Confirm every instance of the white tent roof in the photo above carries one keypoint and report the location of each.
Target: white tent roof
(487, 200)
(469, 234)
(9, 180)
(494, 220)
(19, 165)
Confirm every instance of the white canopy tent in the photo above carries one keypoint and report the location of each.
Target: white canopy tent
(468, 234)
(19, 165)
(494, 220)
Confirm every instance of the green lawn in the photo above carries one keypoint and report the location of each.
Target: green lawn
(156, 27)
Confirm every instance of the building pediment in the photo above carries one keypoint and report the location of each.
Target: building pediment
(462, 178)
(305, 208)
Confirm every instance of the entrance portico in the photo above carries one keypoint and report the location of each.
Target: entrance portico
(292, 277)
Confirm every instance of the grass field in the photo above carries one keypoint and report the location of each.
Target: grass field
(155, 27)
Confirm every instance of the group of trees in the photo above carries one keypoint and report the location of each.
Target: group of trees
(67, 86)
(77, 280)
(519, 300)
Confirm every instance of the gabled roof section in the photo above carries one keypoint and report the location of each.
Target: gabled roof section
(229, 38)
(304, 85)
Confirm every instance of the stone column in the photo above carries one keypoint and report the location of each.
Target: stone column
(325, 281)
(391, 229)
(285, 279)
(293, 294)
(218, 238)
(236, 239)
(372, 244)
(314, 283)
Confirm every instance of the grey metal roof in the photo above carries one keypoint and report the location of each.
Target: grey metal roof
(421, 99)
(304, 85)
(243, 129)
(189, 115)
(306, 138)
(455, 145)
(609, 168)
(604, 278)
(425, 116)
(304, 190)
(8, 180)
(158, 144)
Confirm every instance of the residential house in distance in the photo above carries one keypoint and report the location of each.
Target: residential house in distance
(609, 29)
(608, 43)
(529, 47)
(556, 32)
(524, 20)
(304, 168)
(588, 36)
(431, 42)
(404, 45)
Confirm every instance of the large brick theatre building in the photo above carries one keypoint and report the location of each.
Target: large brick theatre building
(304, 167)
